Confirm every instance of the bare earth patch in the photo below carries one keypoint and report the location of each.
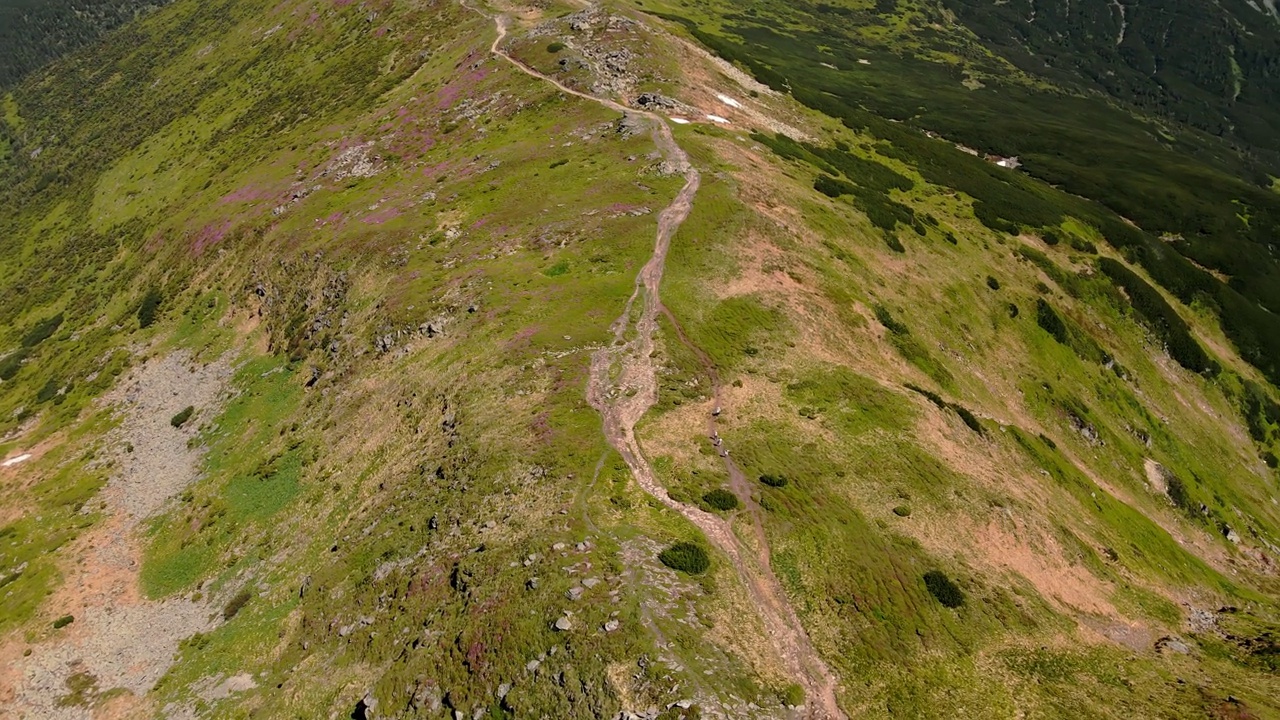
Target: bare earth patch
(119, 641)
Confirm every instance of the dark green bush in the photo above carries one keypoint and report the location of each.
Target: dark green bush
(889, 323)
(776, 481)
(41, 331)
(182, 417)
(721, 499)
(63, 621)
(237, 602)
(686, 557)
(555, 47)
(969, 418)
(931, 396)
(1013, 311)
(11, 364)
(1050, 237)
(48, 392)
(891, 239)
(1177, 491)
(902, 511)
(1159, 317)
(833, 187)
(993, 283)
(943, 589)
(1047, 318)
(792, 695)
(147, 311)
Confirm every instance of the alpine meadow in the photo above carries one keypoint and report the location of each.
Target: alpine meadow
(639, 359)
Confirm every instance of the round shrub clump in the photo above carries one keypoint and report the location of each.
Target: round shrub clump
(721, 499)
(902, 511)
(773, 480)
(182, 417)
(686, 557)
(555, 47)
(942, 588)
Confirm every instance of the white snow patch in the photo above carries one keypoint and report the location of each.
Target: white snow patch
(679, 121)
(15, 460)
(729, 101)
(717, 118)
(864, 61)
(828, 65)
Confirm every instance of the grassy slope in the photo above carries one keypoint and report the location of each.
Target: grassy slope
(325, 498)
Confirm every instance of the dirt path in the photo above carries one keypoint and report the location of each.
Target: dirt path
(623, 387)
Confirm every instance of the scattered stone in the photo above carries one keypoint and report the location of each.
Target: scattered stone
(612, 625)
(591, 582)
(651, 101)
(562, 624)
(629, 125)
(1172, 644)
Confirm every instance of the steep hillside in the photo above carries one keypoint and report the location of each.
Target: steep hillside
(427, 359)
(34, 33)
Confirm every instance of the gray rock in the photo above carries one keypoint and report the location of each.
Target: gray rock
(563, 624)
(656, 100)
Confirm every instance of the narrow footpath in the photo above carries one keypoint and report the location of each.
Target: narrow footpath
(623, 387)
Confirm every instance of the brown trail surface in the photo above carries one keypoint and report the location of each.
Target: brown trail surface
(623, 387)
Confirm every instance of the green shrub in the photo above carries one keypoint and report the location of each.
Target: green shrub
(993, 283)
(1082, 245)
(555, 47)
(891, 239)
(902, 511)
(182, 417)
(63, 621)
(929, 395)
(149, 308)
(11, 364)
(686, 557)
(889, 323)
(1050, 237)
(1013, 311)
(237, 602)
(833, 187)
(558, 163)
(969, 418)
(776, 481)
(1047, 318)
(721, 499)
(792, 695)
(48, 391)
(943, 589)
(41, 331)
(1177, 491)
(1159, 317)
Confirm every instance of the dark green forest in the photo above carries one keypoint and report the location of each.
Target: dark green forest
(1175, 199)
(35, 32)
(1215, 69)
